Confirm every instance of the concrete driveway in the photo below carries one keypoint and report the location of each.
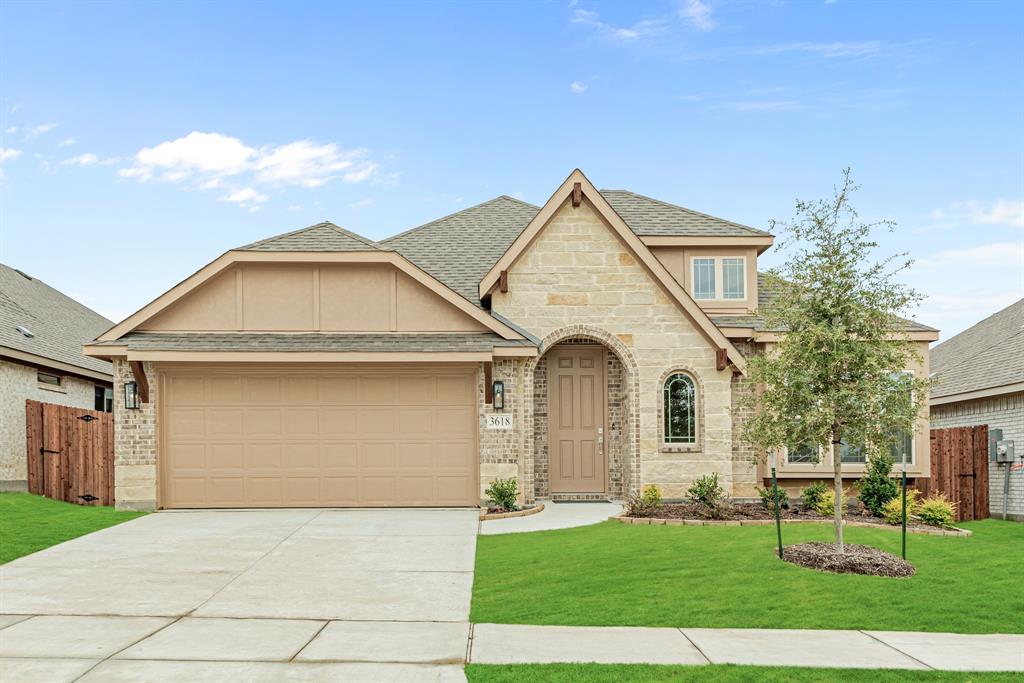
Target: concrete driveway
(253, 594)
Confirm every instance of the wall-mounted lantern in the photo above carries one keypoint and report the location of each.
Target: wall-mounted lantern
(499, 394)
(131, 395)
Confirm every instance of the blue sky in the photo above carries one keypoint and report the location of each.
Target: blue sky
(140, 141)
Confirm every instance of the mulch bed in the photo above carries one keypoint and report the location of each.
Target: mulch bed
(855, 559)
(741, 511)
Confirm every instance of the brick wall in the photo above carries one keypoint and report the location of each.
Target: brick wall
(134, 443)
(501, 450)
(1006, 413)
(576, 275)
(17, 384)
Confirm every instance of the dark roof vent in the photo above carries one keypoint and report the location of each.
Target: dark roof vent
(25, 332)
(23, 274)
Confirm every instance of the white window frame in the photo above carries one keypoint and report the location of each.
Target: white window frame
(719, 279)
(47, 386)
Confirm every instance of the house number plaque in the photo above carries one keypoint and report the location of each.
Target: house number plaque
(499, 421)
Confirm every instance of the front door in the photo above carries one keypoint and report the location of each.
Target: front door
(576, 398)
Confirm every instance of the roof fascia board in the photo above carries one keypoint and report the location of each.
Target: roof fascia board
(43, 361)
(105, 351)
(762, 243)
(630, 240)
(980, 393)
(310, 356)
(233, 257)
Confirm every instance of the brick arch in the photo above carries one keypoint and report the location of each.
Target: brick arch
(631, 400)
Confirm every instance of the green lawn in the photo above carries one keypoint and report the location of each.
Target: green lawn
(29, 523)
(618, 574)
(723, 673)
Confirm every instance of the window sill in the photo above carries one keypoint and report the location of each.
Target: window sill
(50, 387)
(679, 448)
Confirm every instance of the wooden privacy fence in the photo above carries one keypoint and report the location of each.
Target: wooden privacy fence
(960, 469)
(70, 453)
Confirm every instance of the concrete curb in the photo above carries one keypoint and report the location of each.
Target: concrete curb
(539, 507)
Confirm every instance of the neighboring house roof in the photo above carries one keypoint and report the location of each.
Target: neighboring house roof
(988, 357)
(648, 216)
(315, 341)
(765, 295)
(58, 323)
(324, 236)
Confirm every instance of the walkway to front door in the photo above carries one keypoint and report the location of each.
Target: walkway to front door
(576, 422)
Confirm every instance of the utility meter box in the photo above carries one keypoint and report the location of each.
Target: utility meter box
(1004, 451)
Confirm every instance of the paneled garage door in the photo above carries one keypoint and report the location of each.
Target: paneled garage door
(318, 436)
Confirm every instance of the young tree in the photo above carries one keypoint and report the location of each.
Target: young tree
(838, 374)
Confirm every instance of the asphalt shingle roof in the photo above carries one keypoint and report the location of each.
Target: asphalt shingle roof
(259, 341)
(653, 217)
(985, 356)
(60, 324)
(320, 237)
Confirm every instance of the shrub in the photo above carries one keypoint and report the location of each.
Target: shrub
(503, 493)
(813, 495)
(892, 512)
(768, 499)
(827, 505)
(936, 510)
(877, 488)
(644, 505)
(707, 491)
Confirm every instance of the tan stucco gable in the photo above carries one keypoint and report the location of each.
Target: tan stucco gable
(578, 191)
(310, 291)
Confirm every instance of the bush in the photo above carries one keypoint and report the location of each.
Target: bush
(768, 499)
(707, 491)
(644, 505)
(813, 495)
(936, 510)
(827, 505)
(503, 493)
(877, 488)
(892, 512)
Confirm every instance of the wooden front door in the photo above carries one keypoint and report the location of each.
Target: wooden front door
(576, 397)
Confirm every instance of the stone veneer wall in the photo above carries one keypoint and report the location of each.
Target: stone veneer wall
(135, 443)
(744, 455)
(578, 279)
(17, 384)
(1002, 412)
(615, 442)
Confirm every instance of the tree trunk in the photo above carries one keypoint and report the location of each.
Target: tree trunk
(837, 469)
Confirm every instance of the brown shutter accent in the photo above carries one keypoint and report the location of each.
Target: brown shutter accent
(140, 378)
(721, 359)
(577, 195)
(503, 282)
(488, 384)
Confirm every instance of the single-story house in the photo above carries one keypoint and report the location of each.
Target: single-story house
(979, 377)
(41, 337)
(587, 347)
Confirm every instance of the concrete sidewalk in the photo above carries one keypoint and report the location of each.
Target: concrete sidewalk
(553, 516)
(516, 644)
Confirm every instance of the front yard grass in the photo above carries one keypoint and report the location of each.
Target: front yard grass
(29, 523)
(614, 574)
(721, 673)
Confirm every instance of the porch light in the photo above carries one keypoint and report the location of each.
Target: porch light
(131, 395)
(498, 392)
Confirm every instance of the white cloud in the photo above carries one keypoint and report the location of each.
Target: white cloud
(294, 207)
(66, 142)
(244, 197)
(196, 153)
(578, 88)
(306, 163)
(9, 154)
(11, 130)
(88, 159)
(641, 29)
(768, 105)
(829, 50)
(40, 129)
(982, 256)
(361, 203)
(1008, 212)
(698, 14)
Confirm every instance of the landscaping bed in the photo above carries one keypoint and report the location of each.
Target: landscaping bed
(494, 512)
(854, 559)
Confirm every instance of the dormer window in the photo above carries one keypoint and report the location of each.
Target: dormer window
(720, 278)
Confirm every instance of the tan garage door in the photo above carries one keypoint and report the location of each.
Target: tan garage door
(318, 436)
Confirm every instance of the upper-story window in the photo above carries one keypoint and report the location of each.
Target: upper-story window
(722, 278)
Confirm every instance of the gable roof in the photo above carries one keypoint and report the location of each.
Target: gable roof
(629, 239)
(649, 216)
(324, 236)
(60, 324)
(987, 356)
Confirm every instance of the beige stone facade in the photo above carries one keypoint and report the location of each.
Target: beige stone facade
(577, 280)
(19, 383)
(135, 443)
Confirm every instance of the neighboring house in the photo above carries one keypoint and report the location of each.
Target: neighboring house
(41, 337)
(980, 381)
(588, 348)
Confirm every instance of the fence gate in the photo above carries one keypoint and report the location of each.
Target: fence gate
(960, 469)
(70, 453)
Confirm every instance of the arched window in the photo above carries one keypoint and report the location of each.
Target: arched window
(680, 409)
